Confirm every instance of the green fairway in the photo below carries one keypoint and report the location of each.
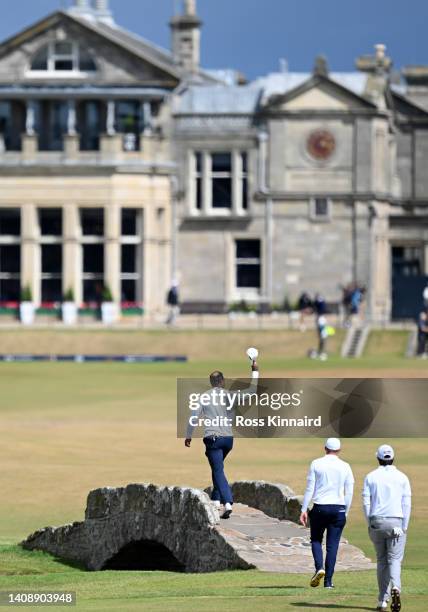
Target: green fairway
(69, 428)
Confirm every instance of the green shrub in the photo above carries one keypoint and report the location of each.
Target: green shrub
(107, 295)
(26, 295)
(68, 295)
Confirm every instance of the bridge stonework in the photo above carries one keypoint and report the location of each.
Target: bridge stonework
(149, 527)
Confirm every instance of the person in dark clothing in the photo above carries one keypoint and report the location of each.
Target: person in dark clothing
(320, 305)
(173, 302)
(422, 333)
(305, 309)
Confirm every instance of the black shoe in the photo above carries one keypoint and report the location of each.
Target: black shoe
(395, 600)
(328, 585)
(227, 511)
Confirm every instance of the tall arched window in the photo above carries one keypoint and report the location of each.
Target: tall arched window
(63, 57)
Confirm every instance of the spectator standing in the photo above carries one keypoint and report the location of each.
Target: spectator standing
(173, 303)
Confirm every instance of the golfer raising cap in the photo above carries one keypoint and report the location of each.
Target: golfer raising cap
(387, 498)
(218, 439)
(330, 486)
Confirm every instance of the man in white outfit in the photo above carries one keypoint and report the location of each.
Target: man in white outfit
(387, 501)
(330, 485)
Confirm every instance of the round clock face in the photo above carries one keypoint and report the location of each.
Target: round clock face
(321, 144)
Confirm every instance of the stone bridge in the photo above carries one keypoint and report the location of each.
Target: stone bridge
(147, 527)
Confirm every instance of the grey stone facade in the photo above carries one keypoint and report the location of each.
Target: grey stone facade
(247, 191)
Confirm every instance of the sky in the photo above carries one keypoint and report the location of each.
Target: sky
(253, 35)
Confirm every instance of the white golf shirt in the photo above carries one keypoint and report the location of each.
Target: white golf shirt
(387, 494)
(330, 481)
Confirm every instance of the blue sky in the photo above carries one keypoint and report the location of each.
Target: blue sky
(252, 35)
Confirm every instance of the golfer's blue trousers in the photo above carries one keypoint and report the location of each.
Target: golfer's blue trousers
(332, 518)
(216, 451)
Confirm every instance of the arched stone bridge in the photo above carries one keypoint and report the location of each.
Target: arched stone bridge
(146, 527)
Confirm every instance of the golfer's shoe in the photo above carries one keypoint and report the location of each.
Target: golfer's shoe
(395, 600)
(328, 585)
(227, 511)
(317, 577)
(381, 605)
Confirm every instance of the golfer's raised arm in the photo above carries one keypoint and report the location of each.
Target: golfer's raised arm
(254, 379)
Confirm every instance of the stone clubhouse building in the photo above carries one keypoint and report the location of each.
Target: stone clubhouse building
(125, 165)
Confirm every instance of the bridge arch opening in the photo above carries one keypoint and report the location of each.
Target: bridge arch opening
(144, 555)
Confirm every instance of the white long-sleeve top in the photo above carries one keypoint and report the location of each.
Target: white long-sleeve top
(387, 493)
(219, 403)
(330, 481)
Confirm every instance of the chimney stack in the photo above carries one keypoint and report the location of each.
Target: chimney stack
(103, 12)
(82, 8)
(190, 7)
(186, 38)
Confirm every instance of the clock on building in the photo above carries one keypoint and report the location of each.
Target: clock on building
(321, 144)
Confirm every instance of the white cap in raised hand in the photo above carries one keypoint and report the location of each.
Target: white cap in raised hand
(252, 353)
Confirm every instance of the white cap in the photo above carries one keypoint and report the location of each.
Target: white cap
(252, 353)
(385, 452)
(333, 444)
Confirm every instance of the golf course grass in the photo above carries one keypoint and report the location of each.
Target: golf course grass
(69, 428)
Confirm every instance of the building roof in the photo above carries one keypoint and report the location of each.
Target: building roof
(222, 99)
(133, 43)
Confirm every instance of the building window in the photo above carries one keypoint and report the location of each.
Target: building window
(92, 228)
(131, 256)
(407, 260)
(50, 224)
(129, 222)
(221, 177)
(63, 57)
(51, 272)
(10, 254)
(12, 123)
(51, 118)
(90, 122)
(248, 264)
(10, 222)
(320, 209)
(50, 221)
(226, 174)
(92, 221)
(130, 123)
(244, 180)
(198, 180)
(93, 273)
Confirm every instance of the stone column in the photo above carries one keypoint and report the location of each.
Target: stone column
(111, 118)
(263, 142)
(71, 139)
(236, 183)
(112, 255)
(267, 267)
(147, 117)
(380, 268)
(30, 251)
(72, 252)
(206, 183)
(29, 139)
